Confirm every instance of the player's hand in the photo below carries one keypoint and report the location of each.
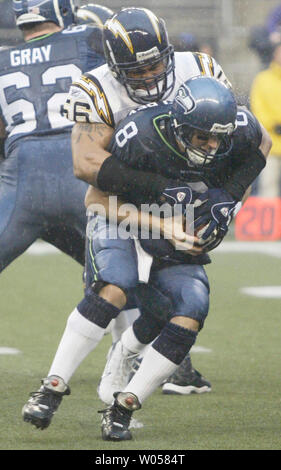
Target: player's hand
(172, 228)
(212, 241)
(217, 209)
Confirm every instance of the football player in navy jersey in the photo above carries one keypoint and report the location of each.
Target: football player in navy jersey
(188, 140)
(35, 136)
(141, 67)
(195, 139)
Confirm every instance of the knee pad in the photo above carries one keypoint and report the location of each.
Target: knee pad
(96, 309)
(175, 342)
(188, 288)
(195, 306)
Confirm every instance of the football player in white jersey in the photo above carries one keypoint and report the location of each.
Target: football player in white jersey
(141, 68)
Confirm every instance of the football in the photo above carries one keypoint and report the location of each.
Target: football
(199, 232)
(210, 243)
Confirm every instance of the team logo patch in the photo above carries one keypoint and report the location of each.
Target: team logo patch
(180, 196)
(224, 211)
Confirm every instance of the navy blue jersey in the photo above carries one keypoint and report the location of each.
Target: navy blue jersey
(35, 78)
(144, 141)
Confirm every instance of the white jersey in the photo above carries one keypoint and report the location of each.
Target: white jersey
(98, 97)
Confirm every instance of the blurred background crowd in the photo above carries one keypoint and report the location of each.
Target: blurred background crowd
(245, 38)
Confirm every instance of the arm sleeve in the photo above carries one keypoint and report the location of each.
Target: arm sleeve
(245, 174)
(249, 160)
(134, 185)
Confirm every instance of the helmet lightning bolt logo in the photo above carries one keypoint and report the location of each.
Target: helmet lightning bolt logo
(155, 23)
(118, 30)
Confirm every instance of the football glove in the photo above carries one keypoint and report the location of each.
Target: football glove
(218, 208)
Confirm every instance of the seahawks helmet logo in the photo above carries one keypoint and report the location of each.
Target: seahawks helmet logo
(185, 99)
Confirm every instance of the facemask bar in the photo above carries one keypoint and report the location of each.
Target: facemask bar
(148, 89)
(198, 157)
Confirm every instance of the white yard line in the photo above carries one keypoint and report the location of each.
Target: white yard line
(200, 349)
(269, 292)
(267, 248)
(41, 249)
(11, 351)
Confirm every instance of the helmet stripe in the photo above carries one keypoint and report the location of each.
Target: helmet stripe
(155, 23)
(58, 14)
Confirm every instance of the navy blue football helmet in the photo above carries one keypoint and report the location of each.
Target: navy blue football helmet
(60, 12)
(207, 105)
(134, 39)
(93, 14)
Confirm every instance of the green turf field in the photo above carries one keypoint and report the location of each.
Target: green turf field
(241, 358)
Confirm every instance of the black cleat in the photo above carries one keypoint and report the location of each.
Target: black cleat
(116, 419)
(43, 404)
(182, 383)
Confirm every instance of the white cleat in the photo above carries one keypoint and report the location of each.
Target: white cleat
(116, 372)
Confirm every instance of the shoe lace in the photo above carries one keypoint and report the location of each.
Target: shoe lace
(46, 397)
(115, 414)
(40, 397)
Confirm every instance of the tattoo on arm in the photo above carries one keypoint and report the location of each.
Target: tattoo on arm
(88, 130)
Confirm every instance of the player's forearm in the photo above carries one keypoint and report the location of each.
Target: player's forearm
(89, 142)
(118, 210)
(242, 178)
(245, 174)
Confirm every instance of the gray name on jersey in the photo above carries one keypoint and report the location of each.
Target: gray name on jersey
(30, 56)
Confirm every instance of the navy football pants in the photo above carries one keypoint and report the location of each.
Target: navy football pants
(113, 260)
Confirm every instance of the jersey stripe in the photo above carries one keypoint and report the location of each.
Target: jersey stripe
(204, 63)
(94, 90)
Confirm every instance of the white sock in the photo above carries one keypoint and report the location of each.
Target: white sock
(154, 369)
(122, 322)
(130, 342)
(80, 337)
